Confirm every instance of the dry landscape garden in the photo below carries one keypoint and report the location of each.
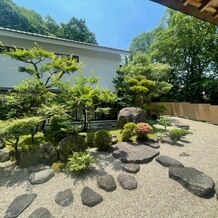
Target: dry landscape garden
(149, 164)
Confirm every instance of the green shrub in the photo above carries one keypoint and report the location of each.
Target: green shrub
(79, 161)
(58, 166)
(102, 140)
(177, 134)
(142, 129)
(165, 122)
(90, 139)
(128, 131)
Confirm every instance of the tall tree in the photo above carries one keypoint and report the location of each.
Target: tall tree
(77, 30)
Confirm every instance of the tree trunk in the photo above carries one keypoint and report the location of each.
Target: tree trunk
(17, 155)
(85, 124)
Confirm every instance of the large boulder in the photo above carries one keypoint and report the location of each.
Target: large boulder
(193, 180)
(48, 153)
(19, 204)
(69, 144)
(134, 153)
(131, 114)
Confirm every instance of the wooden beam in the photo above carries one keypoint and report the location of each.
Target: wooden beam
(215, 14)
(185, 2)
(204, 5)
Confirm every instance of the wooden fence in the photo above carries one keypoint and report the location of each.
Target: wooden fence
(201, 112)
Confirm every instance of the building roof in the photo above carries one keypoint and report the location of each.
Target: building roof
(206, 10)
(45, 38)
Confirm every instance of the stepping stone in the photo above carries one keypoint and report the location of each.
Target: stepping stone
(41, 176)
(106, 183)
(41, 213)
(64, 198)
(193, 180)
(19, 204)
(127, 181)
(182, 126)
(168, 161)
(184, 154)
(90, 198)
(4, 155)
(37, 168)
(153, 144)
(129, 153)
(131, 168)
(166, 139)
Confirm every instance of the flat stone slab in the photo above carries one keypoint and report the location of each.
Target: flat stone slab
(64, 198)
(38, 167)
(155, 145)
(168, 161)
(90, 198)
(106, 183)
(41, 176)
(129, 153)
(193, 180)
(19, 204)
(41, 213)
(127, 181)
(131, 168)
(182, 126)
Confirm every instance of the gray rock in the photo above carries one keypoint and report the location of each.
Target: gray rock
(127, 181)
(131, 114)
(168, 161)
(216, 190)
(41, 213)
(182, 126)
(184, 154)
(48, 154)
(64, 198)
(193, 180)
(4, 155)
(106, 182)
(131, 168)
(129, 153)
(155, 145)
(114, 140)
(41, 176)
(166, 139)
(19, 204)
(90, 198)
(37, 168)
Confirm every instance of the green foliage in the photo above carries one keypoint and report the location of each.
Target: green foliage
(164, 121)
(20, 18)
(102, 140)
(90, 137)
(12, 130)
(142, 130)
(80, 161)
(130, 126)
(3, 107)
(58, 166)
(177, 134)
(128, 131)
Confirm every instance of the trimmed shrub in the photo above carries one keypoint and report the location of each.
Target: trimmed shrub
(90, 139)
(102, 140)
(79, 161)
(177, 134)
(165, 122)
(128, 131)
(142, 129)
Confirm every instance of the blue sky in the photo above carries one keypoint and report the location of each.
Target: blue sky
(114, 22)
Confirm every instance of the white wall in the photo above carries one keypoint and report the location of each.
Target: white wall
(103, 64)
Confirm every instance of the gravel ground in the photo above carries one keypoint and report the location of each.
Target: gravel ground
(156, 195)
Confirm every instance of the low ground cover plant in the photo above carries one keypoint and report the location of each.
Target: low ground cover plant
(176, 134)
(79, 161)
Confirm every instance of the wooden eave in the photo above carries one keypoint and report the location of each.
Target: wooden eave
(206, 10)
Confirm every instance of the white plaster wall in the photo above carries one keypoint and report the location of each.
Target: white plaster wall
(103, 64)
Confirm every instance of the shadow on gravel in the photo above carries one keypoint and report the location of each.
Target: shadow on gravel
(185, 141)
(12, 175)
(209, 196)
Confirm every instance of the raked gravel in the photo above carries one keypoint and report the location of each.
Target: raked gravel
(157, 196)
